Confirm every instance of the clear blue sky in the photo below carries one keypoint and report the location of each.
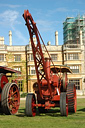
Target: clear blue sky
(48, 14)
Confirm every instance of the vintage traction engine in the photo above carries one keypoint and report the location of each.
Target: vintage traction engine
(9, 92)
(51, 88)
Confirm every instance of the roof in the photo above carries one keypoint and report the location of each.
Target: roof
(8, 70)
(60, 68)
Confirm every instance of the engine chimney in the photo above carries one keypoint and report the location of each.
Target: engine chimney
(10, 38)
(56, 38)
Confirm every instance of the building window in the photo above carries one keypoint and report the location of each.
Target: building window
(17, 68)
(31, 57)
(1, 57)
(54, 57)
(75, 69)
(33, 71)
(74, 56)
(17, 58)
(77, 83)
(20, 85)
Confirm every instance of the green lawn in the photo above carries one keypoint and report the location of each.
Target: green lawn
(48, 120)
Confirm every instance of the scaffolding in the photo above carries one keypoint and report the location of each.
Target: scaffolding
(71, 29)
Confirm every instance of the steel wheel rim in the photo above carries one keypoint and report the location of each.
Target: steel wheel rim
(75, 101)
(13, 99)
(33, 107)
(64, 81)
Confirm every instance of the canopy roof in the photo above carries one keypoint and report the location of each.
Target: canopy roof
(60, 68)
(8, 70)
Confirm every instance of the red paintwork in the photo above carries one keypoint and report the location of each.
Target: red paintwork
(33, 107)
(75, 100)
(3, 81)
(37, 53)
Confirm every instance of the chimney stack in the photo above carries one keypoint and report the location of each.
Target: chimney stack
(10, 38)
(56, 38)
(2, 40)
(48, 43)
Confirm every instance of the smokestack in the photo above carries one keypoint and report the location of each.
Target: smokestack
(29, 43)
(56, 38)
(1, 40)
(34, 39)
(48, 43)
(10, 38)
(80, 36)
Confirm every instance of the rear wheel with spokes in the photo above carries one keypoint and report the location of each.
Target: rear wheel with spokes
(10, 98)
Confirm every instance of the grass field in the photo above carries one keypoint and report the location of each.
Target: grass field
(53, 119)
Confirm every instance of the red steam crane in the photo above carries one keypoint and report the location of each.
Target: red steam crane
(51, 88)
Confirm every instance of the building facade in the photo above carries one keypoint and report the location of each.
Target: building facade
(14, 57)
(21, 58)
(74, 47)
(73, 55)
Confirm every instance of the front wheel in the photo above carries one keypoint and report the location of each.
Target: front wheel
(30, 104)
(63, 104)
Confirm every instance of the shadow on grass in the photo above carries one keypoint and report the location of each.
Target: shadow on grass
(21, 113)
(51, 112)
(83, 110)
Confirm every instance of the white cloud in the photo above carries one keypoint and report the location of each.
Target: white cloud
(63, 10)
(20, 36)
(10, 5)
(9, 18)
